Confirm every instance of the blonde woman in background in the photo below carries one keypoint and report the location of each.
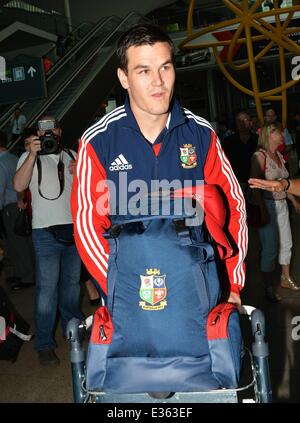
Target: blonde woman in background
(275, 237)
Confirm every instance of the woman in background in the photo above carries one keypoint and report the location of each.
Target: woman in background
(275, 236)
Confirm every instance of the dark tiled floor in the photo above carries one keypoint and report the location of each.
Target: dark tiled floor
(26, 381)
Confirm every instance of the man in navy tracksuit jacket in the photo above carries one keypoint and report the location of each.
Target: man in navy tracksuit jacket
(150, 139)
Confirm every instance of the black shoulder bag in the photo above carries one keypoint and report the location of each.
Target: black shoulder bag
(22, 225)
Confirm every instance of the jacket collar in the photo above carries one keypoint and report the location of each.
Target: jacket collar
(176, 116)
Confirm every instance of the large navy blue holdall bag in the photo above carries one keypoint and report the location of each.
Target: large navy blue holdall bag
(161, 327)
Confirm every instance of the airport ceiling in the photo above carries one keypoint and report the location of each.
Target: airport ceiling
(92, 10)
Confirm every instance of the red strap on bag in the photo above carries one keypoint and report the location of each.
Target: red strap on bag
(265, 162)
(217, 321)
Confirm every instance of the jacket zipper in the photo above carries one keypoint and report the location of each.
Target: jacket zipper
(164, 140)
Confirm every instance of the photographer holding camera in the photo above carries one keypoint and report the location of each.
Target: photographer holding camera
(47, 169)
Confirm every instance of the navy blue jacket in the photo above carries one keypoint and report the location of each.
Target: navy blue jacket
(114, 151)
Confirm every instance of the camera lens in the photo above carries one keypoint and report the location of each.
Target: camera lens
(49, 143)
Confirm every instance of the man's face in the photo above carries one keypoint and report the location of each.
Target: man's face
(243, 121)
(270, 116)
(150, 79)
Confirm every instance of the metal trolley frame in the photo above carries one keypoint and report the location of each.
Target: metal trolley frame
(258, 388)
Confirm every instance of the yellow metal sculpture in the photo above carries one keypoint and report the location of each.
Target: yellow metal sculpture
(247, 19)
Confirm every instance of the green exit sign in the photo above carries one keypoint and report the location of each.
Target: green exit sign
(24, 80)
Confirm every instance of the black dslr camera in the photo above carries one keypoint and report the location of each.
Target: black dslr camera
(50, 142)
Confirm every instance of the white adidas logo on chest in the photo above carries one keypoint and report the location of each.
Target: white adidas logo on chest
(120, 163)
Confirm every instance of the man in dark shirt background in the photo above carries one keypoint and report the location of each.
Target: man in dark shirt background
(19, 248)
(240, 147)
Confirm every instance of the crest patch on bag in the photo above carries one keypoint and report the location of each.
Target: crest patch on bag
(153, 290)
(188, 156)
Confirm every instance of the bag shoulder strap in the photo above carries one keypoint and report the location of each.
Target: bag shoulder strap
(265, 162)
(69, 152)
(60, 174)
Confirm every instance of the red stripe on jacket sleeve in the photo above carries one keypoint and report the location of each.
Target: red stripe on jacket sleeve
(217, 170)
(89, 205)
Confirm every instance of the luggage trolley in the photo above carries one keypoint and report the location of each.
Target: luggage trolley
(257, 388)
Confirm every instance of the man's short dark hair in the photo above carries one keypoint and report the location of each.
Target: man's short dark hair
(140, 35)
(267, 109)
(240, 111)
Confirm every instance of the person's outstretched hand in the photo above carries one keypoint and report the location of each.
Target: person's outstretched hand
(275, 186)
